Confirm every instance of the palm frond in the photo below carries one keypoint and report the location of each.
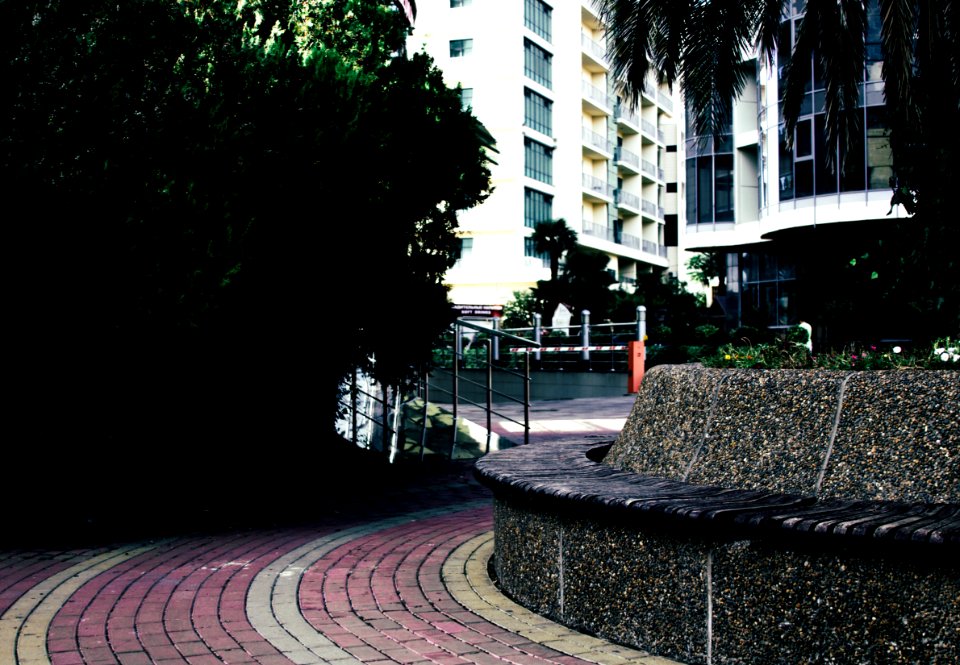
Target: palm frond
(951, 35)
(667, 39)
(841, 56)
(951, 11)
(897, 29)
(628, 41)
(712, 65)
(769, 14)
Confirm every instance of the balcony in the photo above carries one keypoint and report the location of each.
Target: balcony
(649, 208)
(649, 169)
(648, 130)
(628, 162)
(649, 92)
(596, 189)
(598, 231)
(650, 247)
(627, 120)
(665, 101)
(596, 146)
(595, 100)
(627, 240)
(594, 55)
(627, 203)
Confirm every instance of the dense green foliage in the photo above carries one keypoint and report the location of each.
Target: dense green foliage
(198, 192)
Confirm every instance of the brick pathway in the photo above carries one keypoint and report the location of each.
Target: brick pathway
(397, 577)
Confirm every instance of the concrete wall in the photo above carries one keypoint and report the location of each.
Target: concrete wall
(581, 545)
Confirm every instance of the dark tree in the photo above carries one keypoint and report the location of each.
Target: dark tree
(212, 215)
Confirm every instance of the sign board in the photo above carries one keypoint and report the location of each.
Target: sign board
(486, 311)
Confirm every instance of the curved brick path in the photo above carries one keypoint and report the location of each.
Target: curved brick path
(396, 577)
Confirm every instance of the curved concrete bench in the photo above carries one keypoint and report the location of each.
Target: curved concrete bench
(733, 572)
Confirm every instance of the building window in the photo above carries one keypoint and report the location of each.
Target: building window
(466, 98)
(536, 16)
(538, 161)
(537, 207)
(537, 63)
(804, 168)
(769, 293)
(538, 112)
(530, 250)
(460, 3)
(460, 47)
(710, 189)
(466, 248)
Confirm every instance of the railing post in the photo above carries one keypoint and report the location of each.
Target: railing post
(526, 399)
(496, 340)
(489, 392)
(385, 432)
(585, 335)
(426, 406)
(457, 344)
(456, 374)
(537, 331)
(641, 323)
(353, 402)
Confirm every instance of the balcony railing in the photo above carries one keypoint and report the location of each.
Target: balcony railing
(627, 199)
(648, 127)
(649, 207)
(595, 94)
(660, 173)
(649, 168)
(650, 247)
(627, 157)
(624, 113)
(661, 136)
(597, 186)
(628, 240)
(596, 49)
(598, 231)
(628, 281)
(662, 251)
(595, 140)
(665, 101)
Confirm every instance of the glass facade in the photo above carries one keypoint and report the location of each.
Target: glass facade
(537, 207)
(538, 161)
(537, 63)
(537, 112)
(710, 193)
(805, 169)
(536, 16)
(768, 290)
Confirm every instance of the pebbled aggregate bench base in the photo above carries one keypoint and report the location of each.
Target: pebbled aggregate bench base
(716, 573)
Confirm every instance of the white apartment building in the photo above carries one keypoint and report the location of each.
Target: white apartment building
(772, 212)
(537, 76)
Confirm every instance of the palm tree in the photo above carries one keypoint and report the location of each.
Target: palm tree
(701, 43)
(553, 238)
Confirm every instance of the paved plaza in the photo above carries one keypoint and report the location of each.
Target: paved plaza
(397, 574)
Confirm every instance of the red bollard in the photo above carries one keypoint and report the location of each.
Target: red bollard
(636, 354)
